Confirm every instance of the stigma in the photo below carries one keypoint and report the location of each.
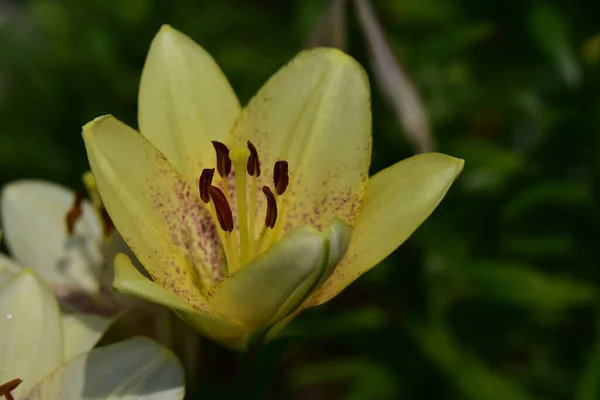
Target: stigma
(242, 245)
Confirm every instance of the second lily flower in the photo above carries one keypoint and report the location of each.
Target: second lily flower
(245, 217)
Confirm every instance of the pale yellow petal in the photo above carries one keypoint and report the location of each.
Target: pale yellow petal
(128, 280)
(137, 368)
(154, 209)
(254, 295)
(338, 234)
(398, 200)
(315, 113)
(82, 332)
(33, 219)
(31, 338)
(185, 101)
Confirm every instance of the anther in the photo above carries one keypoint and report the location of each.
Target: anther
(253, 165)
(223, 160)
(74, 212)
(271, 215)
(281, 178)
(107, 224)
(8, 387)
(204, 184)
(222, 209)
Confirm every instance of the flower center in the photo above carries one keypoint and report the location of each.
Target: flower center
(244, 160)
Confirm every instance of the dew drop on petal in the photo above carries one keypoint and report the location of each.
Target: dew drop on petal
(9, 316)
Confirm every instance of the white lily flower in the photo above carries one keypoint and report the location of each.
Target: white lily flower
(51, 355)
(35, 230)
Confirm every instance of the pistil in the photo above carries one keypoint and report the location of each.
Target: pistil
(253, 168)
(239, 157)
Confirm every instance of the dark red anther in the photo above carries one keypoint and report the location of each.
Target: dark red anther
(107, 224)
(253, 165)
(74, 212)
(224, 214)
(281, 178)
(8, 387)
(271, 215)
(205, 182)
(223, 160)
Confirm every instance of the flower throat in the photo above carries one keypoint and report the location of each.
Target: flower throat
(244, 160)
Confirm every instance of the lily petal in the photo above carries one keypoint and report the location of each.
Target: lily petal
(154, 209)
(8, 269)
(254, 294)
(137, 368)
(33, 218)
(339, 234)
(302, 114)
(185, 101)
(31, 339)
(398, 200)
(82, 332)
(128, 280)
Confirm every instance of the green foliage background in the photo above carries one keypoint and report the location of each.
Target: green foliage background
(494, 297)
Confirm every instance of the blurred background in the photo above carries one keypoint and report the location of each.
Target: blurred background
(496, 295)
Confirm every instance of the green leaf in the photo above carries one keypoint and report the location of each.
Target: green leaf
(491, 166)
(589, 384)
(525, 286)
(551, 32)
(342, 322)
(472, 377)
(564, 193)
(362, 379)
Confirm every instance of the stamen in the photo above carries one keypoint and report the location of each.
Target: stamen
(281, 178)
(271, 215)
(253, 165)
(223, 165)
(240, 157)
(204, 184)
(222, 209)
(223, 160)
(8, 387)
(253, 168)
(224, 215)
(74, 213)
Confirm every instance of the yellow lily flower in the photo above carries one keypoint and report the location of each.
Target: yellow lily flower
(289, 219)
